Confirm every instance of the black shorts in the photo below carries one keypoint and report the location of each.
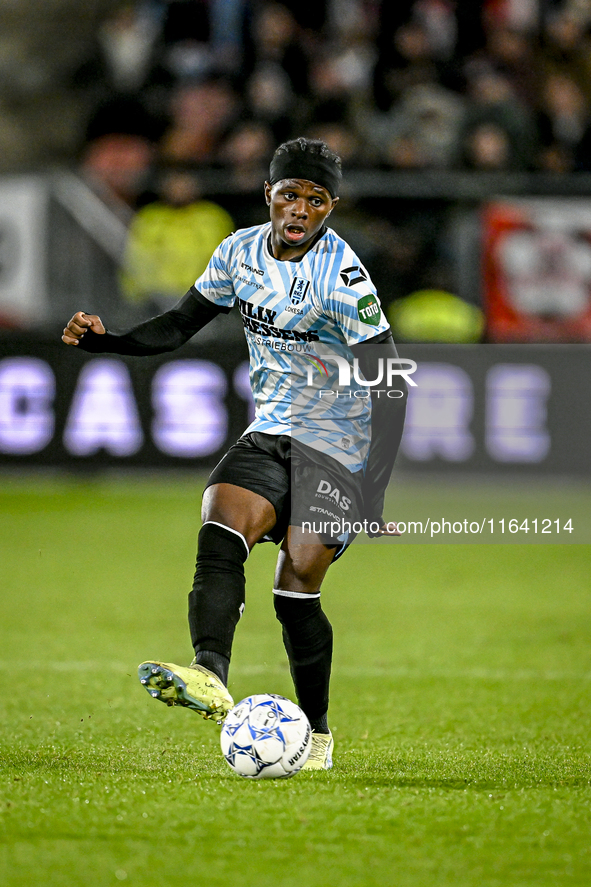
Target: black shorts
(306, 488)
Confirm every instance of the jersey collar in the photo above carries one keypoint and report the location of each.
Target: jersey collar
(313, 245)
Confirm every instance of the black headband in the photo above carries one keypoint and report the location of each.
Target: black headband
(303, 165)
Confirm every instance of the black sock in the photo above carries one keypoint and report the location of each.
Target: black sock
(307, 635)
(319, 725)
(217, 600)
(216, 662)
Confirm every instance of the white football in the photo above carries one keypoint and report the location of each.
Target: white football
(266, 737)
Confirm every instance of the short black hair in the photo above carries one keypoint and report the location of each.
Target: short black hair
(313, 147)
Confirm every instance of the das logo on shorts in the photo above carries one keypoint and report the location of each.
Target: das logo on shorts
(368, 310)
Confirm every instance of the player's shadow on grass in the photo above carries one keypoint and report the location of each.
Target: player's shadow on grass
(537, 776)
(454, 783)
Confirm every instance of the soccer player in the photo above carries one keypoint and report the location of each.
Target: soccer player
(318, 456)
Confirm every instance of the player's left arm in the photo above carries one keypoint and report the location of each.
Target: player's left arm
(356, 309)
(388, 409)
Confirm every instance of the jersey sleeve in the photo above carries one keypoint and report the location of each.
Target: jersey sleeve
(216, 283)
(352, 302)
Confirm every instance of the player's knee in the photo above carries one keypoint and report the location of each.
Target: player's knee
(235, 507)
(304, 569)
(305, 577)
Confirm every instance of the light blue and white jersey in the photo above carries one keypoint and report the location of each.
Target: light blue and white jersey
(298, 317)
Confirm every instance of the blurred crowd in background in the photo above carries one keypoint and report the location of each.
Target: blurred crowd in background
(433, 84)
(152, 93)
(412, 84)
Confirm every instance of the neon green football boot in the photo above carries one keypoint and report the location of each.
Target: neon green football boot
(195, 687)
(320, 757)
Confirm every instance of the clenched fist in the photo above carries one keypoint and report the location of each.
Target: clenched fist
(79, 324)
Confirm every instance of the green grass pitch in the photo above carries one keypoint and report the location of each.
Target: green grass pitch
(460, 706)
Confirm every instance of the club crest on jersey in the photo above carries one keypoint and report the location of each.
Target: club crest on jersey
(299, 288)
(354, 274)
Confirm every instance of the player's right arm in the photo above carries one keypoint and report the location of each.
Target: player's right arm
(164, 333)
(212, 294)
(79, 325)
